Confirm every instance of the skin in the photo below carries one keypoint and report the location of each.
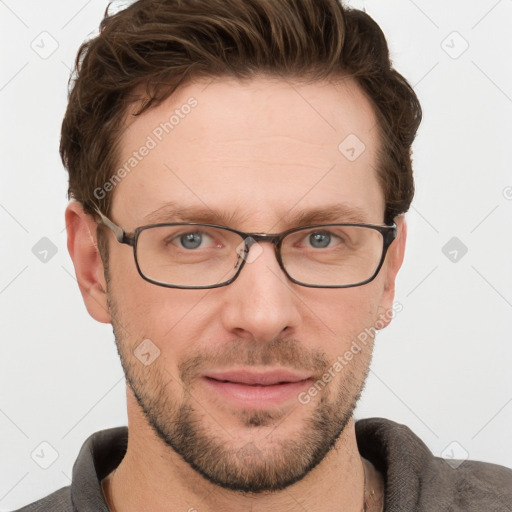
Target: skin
(259, 152)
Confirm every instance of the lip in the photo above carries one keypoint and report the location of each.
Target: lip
(256, 390)
(261, 378)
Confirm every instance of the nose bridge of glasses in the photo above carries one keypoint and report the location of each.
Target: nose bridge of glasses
(253, 238)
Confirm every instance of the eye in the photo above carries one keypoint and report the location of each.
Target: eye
(191, 240)
(320, 239)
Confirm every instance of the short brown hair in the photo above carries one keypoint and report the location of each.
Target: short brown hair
(158, 45)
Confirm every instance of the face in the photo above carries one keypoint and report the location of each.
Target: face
(230, 371)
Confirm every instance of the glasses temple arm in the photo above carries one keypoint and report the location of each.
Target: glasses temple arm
(118, 231)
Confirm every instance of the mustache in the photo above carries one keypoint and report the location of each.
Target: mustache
(285, 352)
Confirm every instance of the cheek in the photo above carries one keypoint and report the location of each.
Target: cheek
(170, 317)
(162, 311)
(339, 316)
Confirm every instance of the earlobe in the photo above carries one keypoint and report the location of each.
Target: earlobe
(83, 249)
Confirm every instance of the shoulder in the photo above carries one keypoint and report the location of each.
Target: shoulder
(101, 452)
(466, 485)
(58, 501)
(473, 485)
(418, 480)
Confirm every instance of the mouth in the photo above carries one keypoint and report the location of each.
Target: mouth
(253, 389)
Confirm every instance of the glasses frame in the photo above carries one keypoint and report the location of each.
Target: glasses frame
(388, 232)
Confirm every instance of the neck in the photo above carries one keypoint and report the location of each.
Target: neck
(153, 477)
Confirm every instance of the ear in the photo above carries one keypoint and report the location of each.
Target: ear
(83, 249)
(392, 264)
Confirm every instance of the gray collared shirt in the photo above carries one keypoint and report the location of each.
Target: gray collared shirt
(415, 480)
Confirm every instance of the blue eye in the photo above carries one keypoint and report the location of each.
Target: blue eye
(191, 240)
(320, 239)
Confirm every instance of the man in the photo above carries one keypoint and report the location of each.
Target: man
(239, 171)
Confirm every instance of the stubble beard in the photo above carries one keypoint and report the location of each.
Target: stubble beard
(266, 463)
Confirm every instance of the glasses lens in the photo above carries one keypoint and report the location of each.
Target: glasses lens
(188, 255)
(332, 255)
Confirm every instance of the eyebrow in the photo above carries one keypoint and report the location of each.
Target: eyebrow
(173, 212)
(336, 213)
(339, 212)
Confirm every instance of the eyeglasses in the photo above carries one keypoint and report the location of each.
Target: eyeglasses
(190, 255)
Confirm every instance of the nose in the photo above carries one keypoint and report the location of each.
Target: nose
(261, 303)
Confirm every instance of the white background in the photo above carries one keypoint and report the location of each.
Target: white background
(442, 367)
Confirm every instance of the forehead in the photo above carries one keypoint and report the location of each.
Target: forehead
(260, 151)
